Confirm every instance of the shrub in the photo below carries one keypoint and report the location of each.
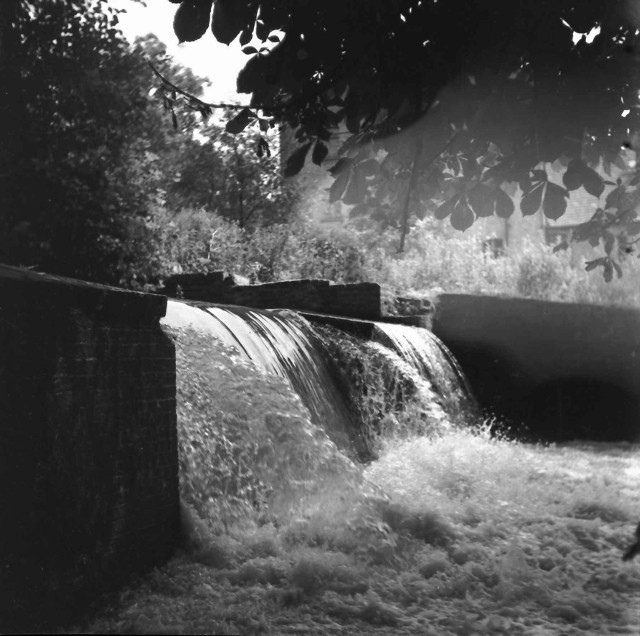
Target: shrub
(435, 260)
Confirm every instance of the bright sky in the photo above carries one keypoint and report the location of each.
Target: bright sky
(206, 57)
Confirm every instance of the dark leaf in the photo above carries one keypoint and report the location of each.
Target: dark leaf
(252, 75)
(594, 237)
(369, 167)
(262, 31)
(345, 163)
(444, 210)
(572, 178)
(357, 188)
(320, 152)
(598, 262)
(482, 200)
(504, 204)
(617, 268)
(246, 36)
(462, 217)
(353, 120)
(273, 38)
(249, 50)
(240, 121)
(532, 201)
(554, 204)
(227, 20)
(538, 175)
(616, 198)
(339, 186)
(264, 124)
(191, 20)
(608, 270)
(593, 183)
(609, 242)
(174, 120)
(296, 160)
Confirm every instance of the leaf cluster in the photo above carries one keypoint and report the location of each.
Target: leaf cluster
(448, 105)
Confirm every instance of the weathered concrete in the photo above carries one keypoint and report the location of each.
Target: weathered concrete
(88, 446)
(357, 300)
(566, 370)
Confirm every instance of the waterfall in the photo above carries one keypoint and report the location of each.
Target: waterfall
(433, 360)
(358, 391)
(276, 416)
(282, 343)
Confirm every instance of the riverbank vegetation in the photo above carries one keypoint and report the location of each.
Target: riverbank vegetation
(104, 177)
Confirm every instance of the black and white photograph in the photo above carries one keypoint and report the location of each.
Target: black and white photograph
(320, 317)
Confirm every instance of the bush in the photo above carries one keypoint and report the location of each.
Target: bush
(435, 260)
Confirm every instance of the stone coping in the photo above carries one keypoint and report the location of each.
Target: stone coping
(47, 291)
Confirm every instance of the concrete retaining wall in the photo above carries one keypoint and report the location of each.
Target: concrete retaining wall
(566, 370)
(88, 449)
(357, 300)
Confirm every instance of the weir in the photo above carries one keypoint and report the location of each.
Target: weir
(283, 343)
(431, 358)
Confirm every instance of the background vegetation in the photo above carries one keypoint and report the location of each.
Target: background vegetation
(103, 178)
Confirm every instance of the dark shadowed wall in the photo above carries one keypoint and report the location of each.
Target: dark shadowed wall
(88, 450)
(566, 370)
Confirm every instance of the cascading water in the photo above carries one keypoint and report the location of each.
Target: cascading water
(456, 532)
(280, 343)
(355, 398)
(433, 360)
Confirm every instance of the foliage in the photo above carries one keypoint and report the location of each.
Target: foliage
(89, 156)
(448, 103)
(78, 103)
(223, 174)
(433, 262)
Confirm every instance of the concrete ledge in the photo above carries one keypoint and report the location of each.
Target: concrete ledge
(357, 300)
(88, 444)
(44, 292)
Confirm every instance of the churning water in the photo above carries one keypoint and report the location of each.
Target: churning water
(443, 530)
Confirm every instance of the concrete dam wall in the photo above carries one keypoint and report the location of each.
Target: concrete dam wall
(88, 448)
(565, 370)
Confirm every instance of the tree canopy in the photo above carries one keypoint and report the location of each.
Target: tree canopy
(448, 103)
(87, 161)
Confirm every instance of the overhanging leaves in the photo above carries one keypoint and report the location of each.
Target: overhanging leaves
(339, 186)
(532, 200)
(240, 121)
(191, 19)
(482, 200)
(504, 204)
(296, 160)
(229, 18)
(357, 188)
(554, 203)
(462, 217)
(320, 152)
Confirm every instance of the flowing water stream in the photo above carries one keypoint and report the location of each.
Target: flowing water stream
(442, 529)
